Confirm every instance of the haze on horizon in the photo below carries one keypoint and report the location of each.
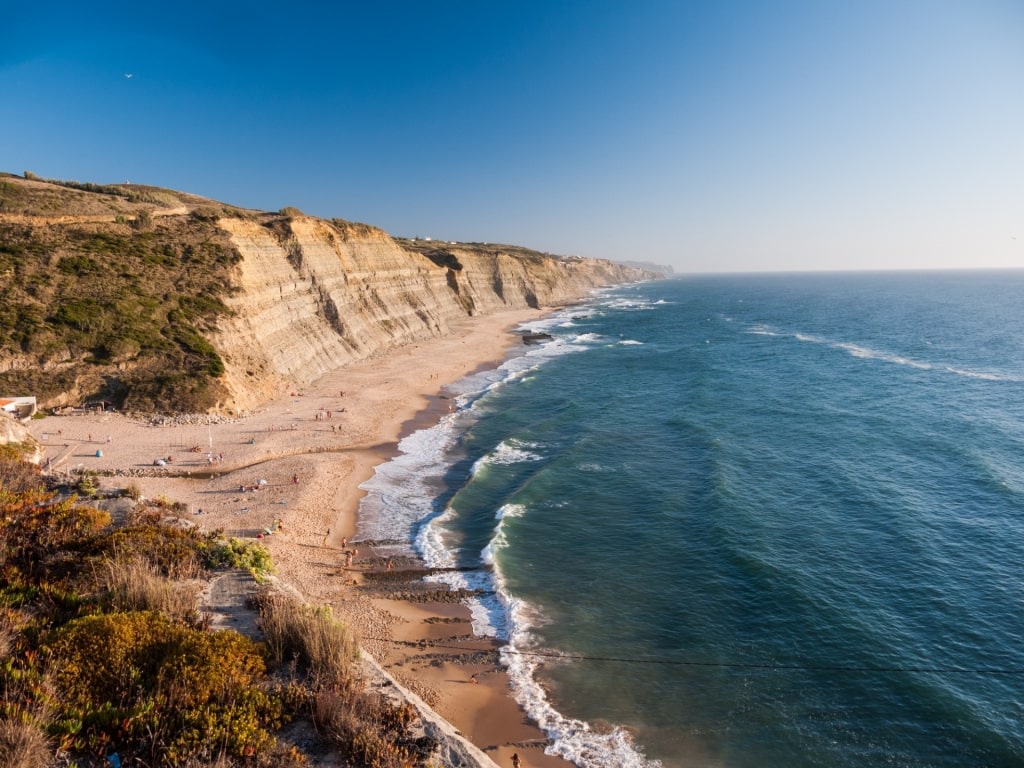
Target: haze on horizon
(712, 136)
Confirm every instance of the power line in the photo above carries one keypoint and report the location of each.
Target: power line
(729, 665)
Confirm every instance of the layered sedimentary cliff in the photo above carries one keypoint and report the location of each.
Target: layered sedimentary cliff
(157, 300)
(315, 295)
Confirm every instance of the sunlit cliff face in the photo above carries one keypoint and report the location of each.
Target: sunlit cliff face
(315, 296)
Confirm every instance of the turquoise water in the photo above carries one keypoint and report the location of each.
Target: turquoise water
(747, 520)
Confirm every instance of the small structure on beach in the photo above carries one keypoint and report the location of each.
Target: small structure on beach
(20, 408)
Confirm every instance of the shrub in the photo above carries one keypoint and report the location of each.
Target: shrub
(143, 220)
(78, 265)
(181, 692)
(213, 677)
(235, 553)
(86, 315)
(28, 695)
(86, 485)
(34, 527)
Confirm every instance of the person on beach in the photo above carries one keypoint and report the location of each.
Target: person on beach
(516, 762)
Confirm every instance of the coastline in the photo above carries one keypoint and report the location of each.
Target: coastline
(298, 463)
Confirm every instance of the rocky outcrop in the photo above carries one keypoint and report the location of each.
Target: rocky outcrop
(312, 295)
(14, 433)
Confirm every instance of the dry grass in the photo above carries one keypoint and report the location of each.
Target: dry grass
(8, 633)
(370, 729)
(373, 730)
(23, 745)
(308, 634)
(134, 584)
(26, 700)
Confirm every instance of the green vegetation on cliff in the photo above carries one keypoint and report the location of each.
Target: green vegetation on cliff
(115, 310)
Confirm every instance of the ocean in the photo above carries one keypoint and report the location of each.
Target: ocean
(739, 521)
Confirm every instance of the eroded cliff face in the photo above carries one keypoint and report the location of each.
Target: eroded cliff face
(311, 296)
(14, 432)
(154, 300)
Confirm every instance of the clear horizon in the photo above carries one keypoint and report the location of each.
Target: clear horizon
(712, 137)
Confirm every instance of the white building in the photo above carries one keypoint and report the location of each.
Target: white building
(21, 408)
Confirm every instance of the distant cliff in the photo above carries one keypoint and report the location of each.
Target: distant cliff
(158, 300)
(317, 294)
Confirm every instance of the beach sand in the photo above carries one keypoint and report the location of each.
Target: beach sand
(295, 466)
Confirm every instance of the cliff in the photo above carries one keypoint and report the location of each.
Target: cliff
(227, 307)
(316, 295)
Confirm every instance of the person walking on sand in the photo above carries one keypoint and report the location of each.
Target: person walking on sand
(516, 762)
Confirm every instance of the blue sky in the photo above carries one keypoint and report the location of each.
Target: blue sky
(712, 136)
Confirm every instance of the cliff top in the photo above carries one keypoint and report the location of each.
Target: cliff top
(30, 195)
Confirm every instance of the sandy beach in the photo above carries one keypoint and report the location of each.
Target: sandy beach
(293, 467)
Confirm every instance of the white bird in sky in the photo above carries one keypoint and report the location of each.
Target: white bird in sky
(128, 75)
